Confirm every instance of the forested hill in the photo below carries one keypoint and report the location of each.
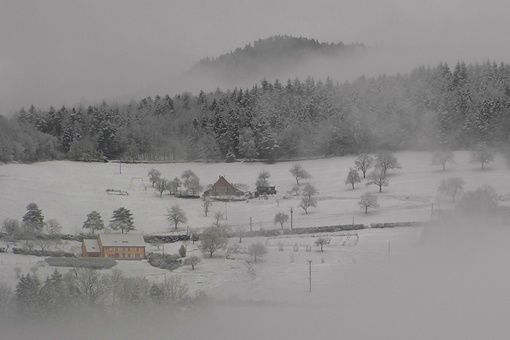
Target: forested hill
(427, 108)
(277, 56)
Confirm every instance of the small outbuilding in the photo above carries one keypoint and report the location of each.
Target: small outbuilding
(266, 190)
(90, 248)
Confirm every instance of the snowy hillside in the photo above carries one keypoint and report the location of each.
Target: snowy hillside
(68, 191)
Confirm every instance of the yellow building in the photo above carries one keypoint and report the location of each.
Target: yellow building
(117, 246)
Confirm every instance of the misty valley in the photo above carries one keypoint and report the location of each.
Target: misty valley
(282, 190)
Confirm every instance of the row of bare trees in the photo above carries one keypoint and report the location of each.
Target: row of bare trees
(188, 183)
(82, 288)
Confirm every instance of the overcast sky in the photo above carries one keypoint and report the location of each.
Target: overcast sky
(66, 52)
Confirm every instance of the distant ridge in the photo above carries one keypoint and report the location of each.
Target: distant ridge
(276, 56)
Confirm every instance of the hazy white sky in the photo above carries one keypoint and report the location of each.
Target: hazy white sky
(65, 51)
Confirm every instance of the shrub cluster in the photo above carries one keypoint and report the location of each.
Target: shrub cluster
(165, 238)
(57, 253)
(396, 224)
(298, 231)
(82, 262)
(166, 261)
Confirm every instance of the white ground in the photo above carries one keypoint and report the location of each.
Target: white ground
(68, 191)
(279, 276)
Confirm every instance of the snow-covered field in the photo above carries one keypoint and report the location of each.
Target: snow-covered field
(282, 275)
(68, 191)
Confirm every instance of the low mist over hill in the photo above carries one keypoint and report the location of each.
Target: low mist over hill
(274, 57)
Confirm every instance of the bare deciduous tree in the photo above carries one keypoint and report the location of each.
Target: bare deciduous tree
(451, 187)
(482, 202)
(87, 285)
(299, 173)
(212, 239)
(352, 178)
(441, 157)
(191, 182)
(386, 160)
(322, 241)
(192, 261)
(154, 176)
(176, 215)
(11, 228)
(378, 177)
(173, 186)
(174, 290)
(161, 186)
(218, 216)
(295, 190)
(53, 227)
(206, 204)
(5, 297)
(368, 200)
(363, 163)
(263, 179)
(257, 250)
(308, 199)
(482, 154)
(281, 218)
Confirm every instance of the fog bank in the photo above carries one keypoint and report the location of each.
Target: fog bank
(60, 52)
(451, 286)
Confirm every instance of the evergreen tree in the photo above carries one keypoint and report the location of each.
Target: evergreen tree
(122, 220)
(247, 147)
(33, 220)
(27, 293)
(93, 222)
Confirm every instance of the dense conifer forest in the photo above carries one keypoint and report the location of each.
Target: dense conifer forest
(430, 107)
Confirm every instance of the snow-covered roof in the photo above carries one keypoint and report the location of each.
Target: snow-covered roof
(91, 246)
(122, 240)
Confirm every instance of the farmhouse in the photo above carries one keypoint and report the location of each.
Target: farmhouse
(118, 246)
(223, 188)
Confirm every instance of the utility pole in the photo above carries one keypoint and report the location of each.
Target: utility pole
(310, 276)
(120, 167)
(291, 222)
(226, 216)
(432, 210)
(251, 224)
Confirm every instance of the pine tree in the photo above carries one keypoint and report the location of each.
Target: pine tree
(94, 222)
(27, 293)
(247, 147)
(33, 220)
(122, 220)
